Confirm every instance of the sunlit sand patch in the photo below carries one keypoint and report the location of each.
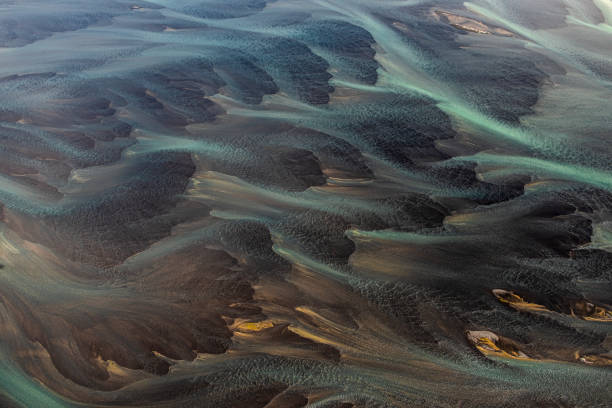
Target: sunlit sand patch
(492, 345)
(580, 309)
(310, 335)
(517, 302)
(250, 327)
(470, 24)
(588, 311)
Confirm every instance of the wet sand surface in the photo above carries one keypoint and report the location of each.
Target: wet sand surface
(281, 204)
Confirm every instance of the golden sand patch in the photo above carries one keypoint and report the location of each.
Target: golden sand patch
(490, 344)
(254, 326)
(517, 302)
(580, 309)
